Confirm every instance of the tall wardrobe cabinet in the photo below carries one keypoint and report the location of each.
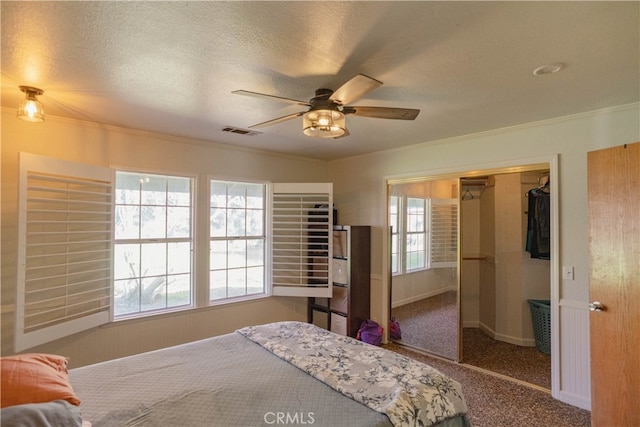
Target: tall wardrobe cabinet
(351, 271)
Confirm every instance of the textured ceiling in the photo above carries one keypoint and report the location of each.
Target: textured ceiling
(170, 67)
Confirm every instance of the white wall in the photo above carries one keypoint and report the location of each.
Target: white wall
(359, 183)
(114, 147)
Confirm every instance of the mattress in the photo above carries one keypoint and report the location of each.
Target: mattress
(228, 380)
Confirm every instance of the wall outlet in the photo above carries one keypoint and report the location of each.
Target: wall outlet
(567, 272)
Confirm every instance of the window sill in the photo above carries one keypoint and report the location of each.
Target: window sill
(181, 311)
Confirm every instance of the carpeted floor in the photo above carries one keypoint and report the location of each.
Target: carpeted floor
(522, 363)
(430, 323)
(496, 402)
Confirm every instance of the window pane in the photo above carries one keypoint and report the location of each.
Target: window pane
(127, 188)
(255, 252)
(236, 223)
(218, 255)
(179, 257)
(126, 297)
(236, 196)
(178, 222)
(127, 222)
(237, 282)
(153, 222)
(237, 256)
(218, 194)
(217, 284)
(178, 191)
(154, 259)
(218, 223)
(126, 261)
(153, 190)
(178, 290)
(255, 280)
(255, 226)
(153, 294)
(255, 196)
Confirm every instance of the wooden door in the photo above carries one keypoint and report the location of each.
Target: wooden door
(614, 235)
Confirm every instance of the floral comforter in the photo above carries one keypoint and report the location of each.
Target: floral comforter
(408, 392)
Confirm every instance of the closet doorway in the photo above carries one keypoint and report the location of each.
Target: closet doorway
(505, 250)
(494, 276)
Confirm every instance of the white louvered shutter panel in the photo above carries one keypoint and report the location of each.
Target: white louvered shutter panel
(444, 233)
(302, 230)
(64, 249)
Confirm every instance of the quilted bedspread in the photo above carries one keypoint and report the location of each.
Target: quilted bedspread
(409, 392)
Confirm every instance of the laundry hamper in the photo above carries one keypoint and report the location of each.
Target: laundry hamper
(541, 319)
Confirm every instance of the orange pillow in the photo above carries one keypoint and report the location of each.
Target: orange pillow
(35, 378)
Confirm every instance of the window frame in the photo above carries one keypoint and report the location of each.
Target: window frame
(418, 234)
(266, 207)
(395, 234)
(152, 240)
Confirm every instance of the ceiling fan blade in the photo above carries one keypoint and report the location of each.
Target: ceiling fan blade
(383, 112)
(278, 120)
(355, 89)
(272, 97)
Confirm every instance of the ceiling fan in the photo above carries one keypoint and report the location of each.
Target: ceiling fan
(326, 111)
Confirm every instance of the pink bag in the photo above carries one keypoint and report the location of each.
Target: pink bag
(370, 332)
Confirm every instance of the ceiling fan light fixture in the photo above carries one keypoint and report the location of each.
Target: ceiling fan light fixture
(324, 123)
(30, 109)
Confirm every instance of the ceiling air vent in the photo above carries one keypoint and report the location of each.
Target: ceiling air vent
(240, 131)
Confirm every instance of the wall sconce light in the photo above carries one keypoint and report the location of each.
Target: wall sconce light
(30, 108)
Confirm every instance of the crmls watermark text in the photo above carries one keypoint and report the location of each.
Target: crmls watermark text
(288, 418)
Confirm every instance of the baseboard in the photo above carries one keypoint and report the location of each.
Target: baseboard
(523, 342)
(574, 399)
(420, 297)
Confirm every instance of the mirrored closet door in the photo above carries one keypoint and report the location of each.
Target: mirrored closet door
(425, 283)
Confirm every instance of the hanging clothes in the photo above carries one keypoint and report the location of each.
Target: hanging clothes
(539, 223)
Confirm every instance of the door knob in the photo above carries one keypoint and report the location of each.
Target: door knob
(596, 306)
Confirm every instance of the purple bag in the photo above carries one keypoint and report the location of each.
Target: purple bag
(394, 329)
(370, 332)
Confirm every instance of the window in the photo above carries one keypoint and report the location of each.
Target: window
(394, 223)
(153, 243)
(415, 234)
(237, 240)
(424, 233)
(97, 245)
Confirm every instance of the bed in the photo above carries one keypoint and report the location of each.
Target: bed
(283, 373)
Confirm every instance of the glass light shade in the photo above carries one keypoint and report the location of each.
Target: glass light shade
(323, 123)
(30, 109)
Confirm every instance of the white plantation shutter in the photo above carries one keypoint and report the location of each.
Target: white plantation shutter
(64, 249)
(302, 229)
(444, 233)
